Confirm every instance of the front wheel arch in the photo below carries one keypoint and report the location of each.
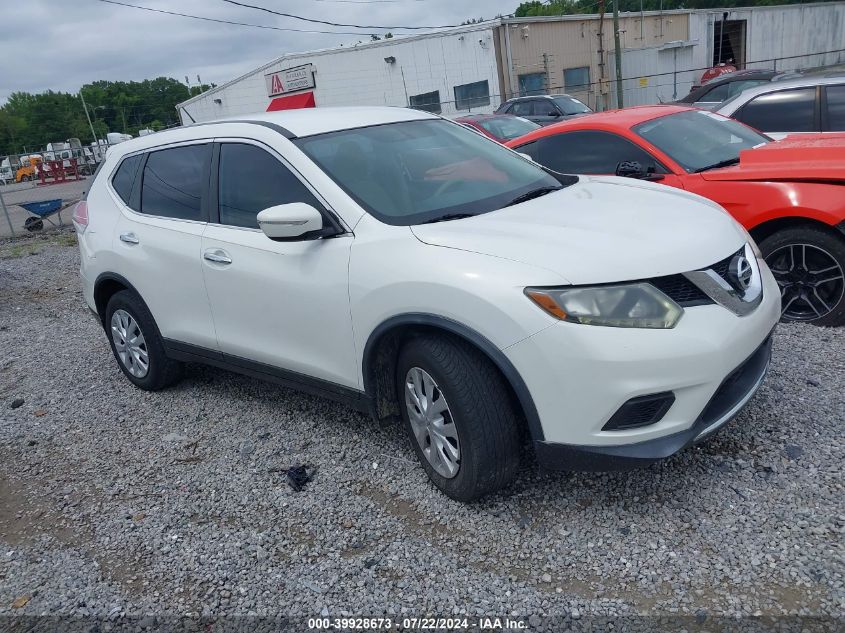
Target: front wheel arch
(382, 349)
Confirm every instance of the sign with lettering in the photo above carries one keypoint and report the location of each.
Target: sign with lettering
(290, 80)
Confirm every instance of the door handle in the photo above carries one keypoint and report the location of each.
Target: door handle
(129, 238)
(217, 256)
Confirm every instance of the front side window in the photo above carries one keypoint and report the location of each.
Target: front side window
(428, 101)
(587, 152)
(174, 181)
(418, 171)
(782, 111)
(699, 140)
(124, 178)
(836, 108)
(472, 95)
(251, 180)
(522, 108)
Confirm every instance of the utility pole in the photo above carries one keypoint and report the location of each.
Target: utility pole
(617, 51)
(87, 116)
(600, 95)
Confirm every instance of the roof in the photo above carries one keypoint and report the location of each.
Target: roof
(304, 122)
(524, 97)
(731, 105)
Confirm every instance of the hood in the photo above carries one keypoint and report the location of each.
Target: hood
(819, 157)
(599, 230)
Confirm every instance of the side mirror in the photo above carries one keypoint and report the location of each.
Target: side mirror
(293, 222)
(633, 169)
(554, 114)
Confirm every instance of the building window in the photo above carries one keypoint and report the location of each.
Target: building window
(428, 101)
(576, 79)
(532, 84)
(472, 95)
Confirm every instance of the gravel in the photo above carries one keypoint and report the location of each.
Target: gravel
(115, 501)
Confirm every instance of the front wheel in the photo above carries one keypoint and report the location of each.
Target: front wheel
(136, 343)
(809, 266)
(459, 415)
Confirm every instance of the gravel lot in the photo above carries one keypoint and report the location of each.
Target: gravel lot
(114, 501)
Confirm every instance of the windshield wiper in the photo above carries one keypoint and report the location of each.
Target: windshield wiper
(530, 195)
(449, 216)
(721, 163)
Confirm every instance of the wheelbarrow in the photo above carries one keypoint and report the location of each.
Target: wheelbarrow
(42, 211)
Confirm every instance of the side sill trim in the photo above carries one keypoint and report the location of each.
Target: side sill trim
(186, 352)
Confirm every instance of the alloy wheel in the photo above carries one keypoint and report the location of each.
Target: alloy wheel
(432, 423)
(812, 282)
(130, 344)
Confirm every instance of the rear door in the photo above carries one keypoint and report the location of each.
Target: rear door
(158, 237)
(276, 305)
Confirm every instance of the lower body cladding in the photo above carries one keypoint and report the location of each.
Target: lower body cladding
(619, 398)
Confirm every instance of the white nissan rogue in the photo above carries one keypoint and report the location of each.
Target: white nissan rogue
(415, 270)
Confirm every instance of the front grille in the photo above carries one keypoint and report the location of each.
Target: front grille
(721, 268)
(681, 290)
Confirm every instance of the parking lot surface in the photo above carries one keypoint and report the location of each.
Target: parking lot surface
(114, 500)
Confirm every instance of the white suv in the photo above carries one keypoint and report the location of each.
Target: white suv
(405, 265)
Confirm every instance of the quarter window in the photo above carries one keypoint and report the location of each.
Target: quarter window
(472, 95)
(174, 181)
(587, 152)
(251, 180)
(782, 111)
(124, 178)
(836, 108)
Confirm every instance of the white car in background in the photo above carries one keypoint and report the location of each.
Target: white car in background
(808, 104)
(413, 269)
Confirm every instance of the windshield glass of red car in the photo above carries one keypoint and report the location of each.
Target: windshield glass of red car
(697, 140)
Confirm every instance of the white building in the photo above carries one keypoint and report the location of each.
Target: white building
(476, 67)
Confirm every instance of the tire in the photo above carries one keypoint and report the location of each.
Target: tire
(485, 422)
(160, 371)
(809, 265)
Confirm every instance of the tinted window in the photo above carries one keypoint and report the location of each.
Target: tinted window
(569, 105)
(124, 177)
(836, 108)
(586, 152)
(415, 171)
(715, 95)
(522, 108)
(252, 180)
(545, 107)
(174, 180)
(783, 111)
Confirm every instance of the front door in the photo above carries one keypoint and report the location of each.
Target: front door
(280, 304)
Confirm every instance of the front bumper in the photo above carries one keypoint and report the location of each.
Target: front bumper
(580, 376)
(731, 396)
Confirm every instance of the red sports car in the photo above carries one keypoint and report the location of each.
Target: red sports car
(789, 194)
(499, 127)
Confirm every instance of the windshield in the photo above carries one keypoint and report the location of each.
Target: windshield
(418, 171)
(508, 127)
(570, 105)
(699, 140)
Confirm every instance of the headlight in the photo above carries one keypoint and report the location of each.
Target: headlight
(630, 305)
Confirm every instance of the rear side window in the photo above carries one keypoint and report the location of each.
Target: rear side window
(836, 108)
(124, 178)
(782, 111)
(252, 180)
(174, 181)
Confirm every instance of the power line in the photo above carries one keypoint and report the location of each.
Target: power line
(356, 26)
(206, 19)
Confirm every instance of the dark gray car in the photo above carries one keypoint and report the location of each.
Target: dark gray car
(544, 109)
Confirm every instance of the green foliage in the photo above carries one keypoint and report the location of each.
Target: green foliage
(33, 120)
(567, 7)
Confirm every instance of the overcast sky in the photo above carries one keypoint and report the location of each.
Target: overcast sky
(59, 45)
